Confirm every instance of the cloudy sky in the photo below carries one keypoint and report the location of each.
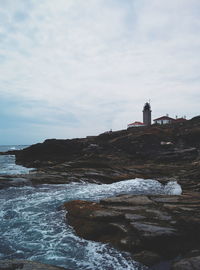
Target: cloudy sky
(71, 68)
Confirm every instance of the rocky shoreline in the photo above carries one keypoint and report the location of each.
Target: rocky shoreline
(153, 228)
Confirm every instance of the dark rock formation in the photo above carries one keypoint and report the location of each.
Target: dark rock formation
(153, 228)
(192, 263)
(26, 265)
(179, 141)
(159, 152)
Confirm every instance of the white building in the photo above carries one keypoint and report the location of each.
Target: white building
(163, 120)
(136, 124)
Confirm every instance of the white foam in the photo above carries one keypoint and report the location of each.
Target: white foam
(133, 186)
(173, 188)
(8, 166)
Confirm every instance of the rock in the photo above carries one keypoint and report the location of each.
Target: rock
(147, 257)
(158, 214)
(193, 253)
(132, 217)
(177, 155)
(6, 182)
(119, 155)
(128, 222)
(192, 263)
(106, 215)
(128, 200)
(26, 265)
(122, 228)
(141, 223)
(151, 231)
(166, 199)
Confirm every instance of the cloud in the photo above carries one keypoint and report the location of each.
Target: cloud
(87, 66)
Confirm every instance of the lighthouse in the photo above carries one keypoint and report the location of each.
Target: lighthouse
(147, 114)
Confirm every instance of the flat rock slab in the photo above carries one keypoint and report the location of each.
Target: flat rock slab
(128, 200)
(187, 264)
(158, 214)
(166, 199)
(149, 230)
(147, 257)
(106, 215)
(26, 265)
(184, 199)
(132, 217)
(7, 182)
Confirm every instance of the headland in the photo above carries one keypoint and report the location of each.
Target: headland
(153, 228)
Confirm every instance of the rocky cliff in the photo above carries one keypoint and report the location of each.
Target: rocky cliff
(168, 143)
(160, 152)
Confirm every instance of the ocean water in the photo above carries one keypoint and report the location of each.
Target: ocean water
(7, 163)
(33, 225)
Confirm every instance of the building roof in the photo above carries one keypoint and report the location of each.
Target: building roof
(136, 123)
(180, 119)
(164, 118)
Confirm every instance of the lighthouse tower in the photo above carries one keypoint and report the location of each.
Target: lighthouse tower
(147, 114)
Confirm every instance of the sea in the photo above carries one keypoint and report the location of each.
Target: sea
(34, 226)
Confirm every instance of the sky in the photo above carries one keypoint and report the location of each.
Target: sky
(72, 68)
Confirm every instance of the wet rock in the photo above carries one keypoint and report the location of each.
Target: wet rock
(158, 214)
(141, 223)
(192, 263)
(106, 215)
(122, 228)
(152, 231)
(147, 257)
(121, 155)
(177, 155)
(128, 222)
(26, 265)
(128, 200)
(132, 217)
(166, 199)
(11, 181)
(193, 253)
